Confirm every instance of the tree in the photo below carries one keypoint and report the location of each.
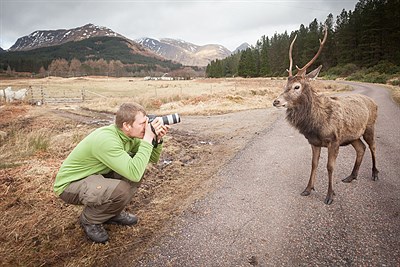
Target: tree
(102, 67)
(42, 72)
(75, 67)
(368, 36)
(265, 68)
(9, 71)
(59, 67)
(116, 68)
(246, 64)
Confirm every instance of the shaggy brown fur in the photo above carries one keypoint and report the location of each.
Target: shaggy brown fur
(329, 122)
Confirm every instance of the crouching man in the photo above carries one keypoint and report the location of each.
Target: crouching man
(103, 171)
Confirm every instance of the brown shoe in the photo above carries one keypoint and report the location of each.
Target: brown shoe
(124, 218)
(94, 232)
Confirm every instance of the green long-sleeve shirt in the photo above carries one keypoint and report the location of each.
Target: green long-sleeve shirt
(103, 150)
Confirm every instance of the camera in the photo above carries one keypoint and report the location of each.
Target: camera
(167, 119)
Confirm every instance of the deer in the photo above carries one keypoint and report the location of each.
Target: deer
(328, 121)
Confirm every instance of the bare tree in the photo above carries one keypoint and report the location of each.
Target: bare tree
(75, 67)
(59, 67)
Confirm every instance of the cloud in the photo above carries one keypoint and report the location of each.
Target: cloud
(226, 22)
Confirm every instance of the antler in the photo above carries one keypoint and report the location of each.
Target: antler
(290, 57)
(303, 70)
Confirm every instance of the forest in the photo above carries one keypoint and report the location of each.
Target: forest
(362, 45)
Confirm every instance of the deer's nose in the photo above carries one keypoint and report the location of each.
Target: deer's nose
(276, 102)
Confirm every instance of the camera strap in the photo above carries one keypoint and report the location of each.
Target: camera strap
(155, 141)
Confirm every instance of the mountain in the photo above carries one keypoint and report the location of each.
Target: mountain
(2, 50)
(241, 47)
(39, 39)
(89, 42)
(134, 56)
(184, 52)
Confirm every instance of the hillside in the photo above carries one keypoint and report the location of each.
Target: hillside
(46, 38)
(184, 52)
(94, 48)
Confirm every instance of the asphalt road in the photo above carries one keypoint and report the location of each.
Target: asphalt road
(256, 216)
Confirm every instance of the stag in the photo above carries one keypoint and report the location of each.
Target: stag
(328, 121)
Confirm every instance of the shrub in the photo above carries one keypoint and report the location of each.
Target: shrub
(343, 70)
(375, 77)
(384, 67)
(358, 76)
(394, 82)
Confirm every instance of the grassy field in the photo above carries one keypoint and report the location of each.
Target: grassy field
(199, 96)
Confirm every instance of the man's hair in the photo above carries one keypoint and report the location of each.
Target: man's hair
(127, 113)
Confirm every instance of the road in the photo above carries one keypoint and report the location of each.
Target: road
(255, 216)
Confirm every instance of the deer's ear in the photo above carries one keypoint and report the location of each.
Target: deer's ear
(314, 74)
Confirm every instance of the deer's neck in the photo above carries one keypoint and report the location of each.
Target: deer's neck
(308, 115)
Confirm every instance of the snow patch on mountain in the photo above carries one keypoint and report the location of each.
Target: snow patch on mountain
(45, 38)
(184, 52)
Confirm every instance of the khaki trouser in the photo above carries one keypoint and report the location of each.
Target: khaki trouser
(103, 197)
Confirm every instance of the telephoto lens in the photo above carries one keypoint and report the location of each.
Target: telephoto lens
(171, 119)
(167, 119)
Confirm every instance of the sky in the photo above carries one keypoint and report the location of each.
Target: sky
(226, 22)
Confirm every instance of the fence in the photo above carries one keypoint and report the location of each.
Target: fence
(38, 96)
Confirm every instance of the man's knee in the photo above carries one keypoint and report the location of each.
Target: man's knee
(122, 194)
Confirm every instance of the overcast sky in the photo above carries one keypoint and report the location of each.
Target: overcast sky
(226, 22)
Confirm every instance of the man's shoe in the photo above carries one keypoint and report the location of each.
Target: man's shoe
(124, 218)
(94, 232)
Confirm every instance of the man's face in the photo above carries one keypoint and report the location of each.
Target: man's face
(137, 128)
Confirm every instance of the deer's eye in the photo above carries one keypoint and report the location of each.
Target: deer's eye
(297, 87)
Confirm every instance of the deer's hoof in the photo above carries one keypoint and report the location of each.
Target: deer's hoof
(305, 193)
(328, 200)
(375, 176)
(348, 179)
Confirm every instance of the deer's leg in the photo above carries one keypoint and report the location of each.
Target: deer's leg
(370, 139)
(360, 150)
(316, 151)
(333, 151)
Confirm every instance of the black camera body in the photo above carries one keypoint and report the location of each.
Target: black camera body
(167, 119)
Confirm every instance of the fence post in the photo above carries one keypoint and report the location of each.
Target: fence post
(83, 94)
(31, 91)
(42, 93)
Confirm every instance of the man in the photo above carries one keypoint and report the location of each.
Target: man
(104, 170)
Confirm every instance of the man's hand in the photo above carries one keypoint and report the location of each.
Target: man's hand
(149, 135)
(163, 131)
(160, 128)
(160, 131)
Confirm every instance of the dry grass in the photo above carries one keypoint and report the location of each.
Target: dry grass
(201, 96)
(395, 90)
(38, 229)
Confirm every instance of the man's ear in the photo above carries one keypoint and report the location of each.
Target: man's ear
(314, 74)
(126, 126)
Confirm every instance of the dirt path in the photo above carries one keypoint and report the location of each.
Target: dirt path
(255, 216)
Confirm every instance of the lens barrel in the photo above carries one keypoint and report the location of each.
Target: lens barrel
(167, 119)
(171, 119)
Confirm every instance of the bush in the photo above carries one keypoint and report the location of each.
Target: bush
(394, 82)
(369, 77)
(384, 67)
(375, 77)
(357, 76)
(342, 70)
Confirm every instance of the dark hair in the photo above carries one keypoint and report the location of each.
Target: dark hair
(127, 113)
